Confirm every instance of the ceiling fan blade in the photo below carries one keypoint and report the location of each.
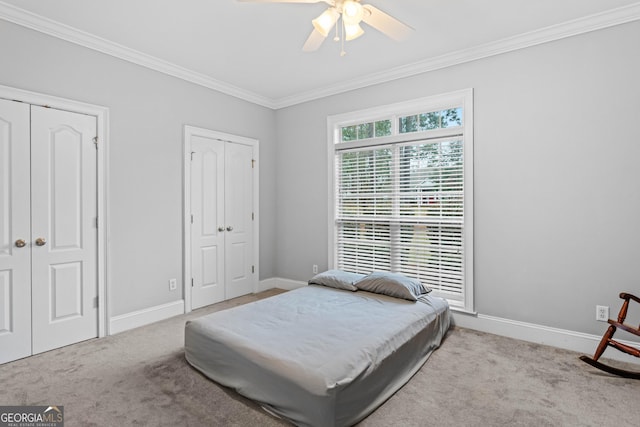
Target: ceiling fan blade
(282, 1)
(385, 23)
(314, 41)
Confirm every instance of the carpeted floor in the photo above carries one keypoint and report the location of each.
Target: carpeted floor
(140, 378)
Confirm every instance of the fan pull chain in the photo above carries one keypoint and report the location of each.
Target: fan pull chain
(342, 52)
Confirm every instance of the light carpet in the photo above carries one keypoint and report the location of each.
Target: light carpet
(140, 378)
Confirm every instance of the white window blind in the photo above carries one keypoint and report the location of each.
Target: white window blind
(399, 201)
(364, 209)
(400, 208)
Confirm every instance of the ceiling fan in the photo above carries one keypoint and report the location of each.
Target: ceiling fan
(350, 13)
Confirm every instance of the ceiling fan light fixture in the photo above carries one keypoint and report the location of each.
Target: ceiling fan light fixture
(352, 12)
(325, 22)
(346, 16)
(352, 31)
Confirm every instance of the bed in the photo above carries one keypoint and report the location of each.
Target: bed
(317, 355)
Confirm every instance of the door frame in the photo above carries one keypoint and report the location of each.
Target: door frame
(189, 132)
(102, 118)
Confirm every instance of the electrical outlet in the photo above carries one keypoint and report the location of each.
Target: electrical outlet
(173, 284)
(602, 313)
(315, 269)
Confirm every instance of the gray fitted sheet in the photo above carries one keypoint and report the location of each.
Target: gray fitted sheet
(318, 356)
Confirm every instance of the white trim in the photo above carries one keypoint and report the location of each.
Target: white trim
(540, 334)
(280, 283)
(102, 120)
(266, 284)
(146, 316)
(62, 31)
(333, 134)
(189, 132)
(469, 218)
(256, 214)
(571, 28)
(606, 19)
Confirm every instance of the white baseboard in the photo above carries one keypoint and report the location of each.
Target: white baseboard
(561, 338)
(124, 322)
(265, 284)
(280, 283)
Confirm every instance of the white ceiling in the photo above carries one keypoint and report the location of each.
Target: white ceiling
(253, 50)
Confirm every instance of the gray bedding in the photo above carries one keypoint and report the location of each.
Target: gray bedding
(318, 356)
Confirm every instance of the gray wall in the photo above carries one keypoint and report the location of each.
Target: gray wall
(147, 113)
(557, 180)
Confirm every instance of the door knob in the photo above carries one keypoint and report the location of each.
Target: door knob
(229, 228)
(221, 229)
(40, 241)
(20, 243)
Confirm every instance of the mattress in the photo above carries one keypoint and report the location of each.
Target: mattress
(318, 356)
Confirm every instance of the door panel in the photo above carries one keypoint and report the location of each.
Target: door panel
(207, 242)
(237, 264)
(210, 266)
(66, 291)
(66, 197)
(238, 215)
(15, 283)
(64, 211)
(6, 289)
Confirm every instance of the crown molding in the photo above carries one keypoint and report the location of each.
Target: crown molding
(571, 28)
(65, 32)
(552, 33)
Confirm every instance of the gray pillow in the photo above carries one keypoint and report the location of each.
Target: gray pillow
(337, 279)
(393, 285)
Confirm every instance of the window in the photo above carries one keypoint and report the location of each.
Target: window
(365, 130)
(402, 193)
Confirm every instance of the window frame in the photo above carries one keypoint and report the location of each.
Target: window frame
(462, 98)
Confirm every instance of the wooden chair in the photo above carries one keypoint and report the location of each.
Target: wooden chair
(607, 340)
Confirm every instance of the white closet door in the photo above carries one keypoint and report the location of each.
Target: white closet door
(208, 226)
(15, 261)
(238, 218)
(64, 233)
